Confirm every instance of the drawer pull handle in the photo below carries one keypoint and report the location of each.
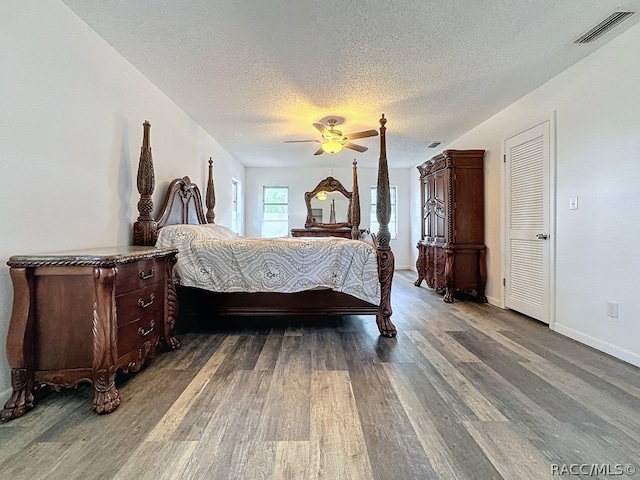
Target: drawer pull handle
(146, 276)
(142, 303)
(143, 333)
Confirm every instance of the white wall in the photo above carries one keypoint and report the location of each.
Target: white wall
(301, 180)
(71, 113)
(597, 108)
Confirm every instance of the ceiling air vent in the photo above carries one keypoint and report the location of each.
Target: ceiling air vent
(603, 27)
(433, 144)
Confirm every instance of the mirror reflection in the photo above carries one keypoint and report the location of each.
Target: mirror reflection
(330, 207)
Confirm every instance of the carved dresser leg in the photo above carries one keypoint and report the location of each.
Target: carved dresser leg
(106, 397)
(448, 276)
(20, 340)
(21, 400)
(420, 267)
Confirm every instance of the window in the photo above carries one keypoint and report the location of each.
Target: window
(275, 212)
(235, 206)
(393, 225)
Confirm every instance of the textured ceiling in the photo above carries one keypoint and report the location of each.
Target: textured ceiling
(256, 73)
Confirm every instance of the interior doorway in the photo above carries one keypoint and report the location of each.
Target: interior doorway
(529, 223)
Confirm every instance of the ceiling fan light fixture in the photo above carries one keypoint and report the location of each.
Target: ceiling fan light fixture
(332, 146)
(322, 195)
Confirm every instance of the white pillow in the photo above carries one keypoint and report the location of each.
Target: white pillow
(182, 236)
(219, 232)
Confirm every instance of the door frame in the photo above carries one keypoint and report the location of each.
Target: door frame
(551, 118)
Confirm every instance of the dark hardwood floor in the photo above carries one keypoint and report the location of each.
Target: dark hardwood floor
(466, 391)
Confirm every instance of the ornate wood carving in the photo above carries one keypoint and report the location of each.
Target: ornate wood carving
(182, 204)
(171, 308)
(21, 400)
(20, 348)
(420, 266)
(211, 194)
(448, 213)
(106, 397)
(355, 204)
(386, 261)
(145, 230)
(432, 166)
(145, 233)
(102, 257)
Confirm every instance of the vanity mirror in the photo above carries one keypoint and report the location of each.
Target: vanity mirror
(332, 211)
(329, 205)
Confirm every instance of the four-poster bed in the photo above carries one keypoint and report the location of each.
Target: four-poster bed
(183, 206)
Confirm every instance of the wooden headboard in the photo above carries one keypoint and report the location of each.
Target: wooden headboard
(182, 204)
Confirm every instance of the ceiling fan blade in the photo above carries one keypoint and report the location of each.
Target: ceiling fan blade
(355, 147)
(366, 133)
(319, 152)
(322, 129)
(301, 141)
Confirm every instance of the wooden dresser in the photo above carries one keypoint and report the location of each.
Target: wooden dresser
(81, 315)
(321, 232)
(451, 253)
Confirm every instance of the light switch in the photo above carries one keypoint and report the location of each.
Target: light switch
(573, 203)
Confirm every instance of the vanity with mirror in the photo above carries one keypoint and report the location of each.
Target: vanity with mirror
(329, 211)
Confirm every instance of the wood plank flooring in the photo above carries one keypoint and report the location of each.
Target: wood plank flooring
(466, 391)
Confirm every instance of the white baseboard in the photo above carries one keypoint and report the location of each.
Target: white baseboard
(494, 301)
(405, 267)
(613, 350)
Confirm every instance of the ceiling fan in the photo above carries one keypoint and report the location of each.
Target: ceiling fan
(333, 140)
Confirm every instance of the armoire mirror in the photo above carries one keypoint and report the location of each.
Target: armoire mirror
(328, 195)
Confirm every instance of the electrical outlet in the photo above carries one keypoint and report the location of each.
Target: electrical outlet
(612, 309)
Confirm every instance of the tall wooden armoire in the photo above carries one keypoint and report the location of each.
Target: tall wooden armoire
(451, 253)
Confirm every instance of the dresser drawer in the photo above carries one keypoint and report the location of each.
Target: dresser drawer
(136, 275)
(132, 336)
(134, 305)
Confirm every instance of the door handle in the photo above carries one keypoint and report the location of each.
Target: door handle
(542, 236)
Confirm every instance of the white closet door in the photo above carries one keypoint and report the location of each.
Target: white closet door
(527, 164)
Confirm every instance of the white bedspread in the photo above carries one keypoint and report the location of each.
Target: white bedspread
(286, 265)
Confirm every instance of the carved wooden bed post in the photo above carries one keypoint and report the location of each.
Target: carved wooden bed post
(385, 255)
(145, 230)
(355, 204)
(210, 195)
